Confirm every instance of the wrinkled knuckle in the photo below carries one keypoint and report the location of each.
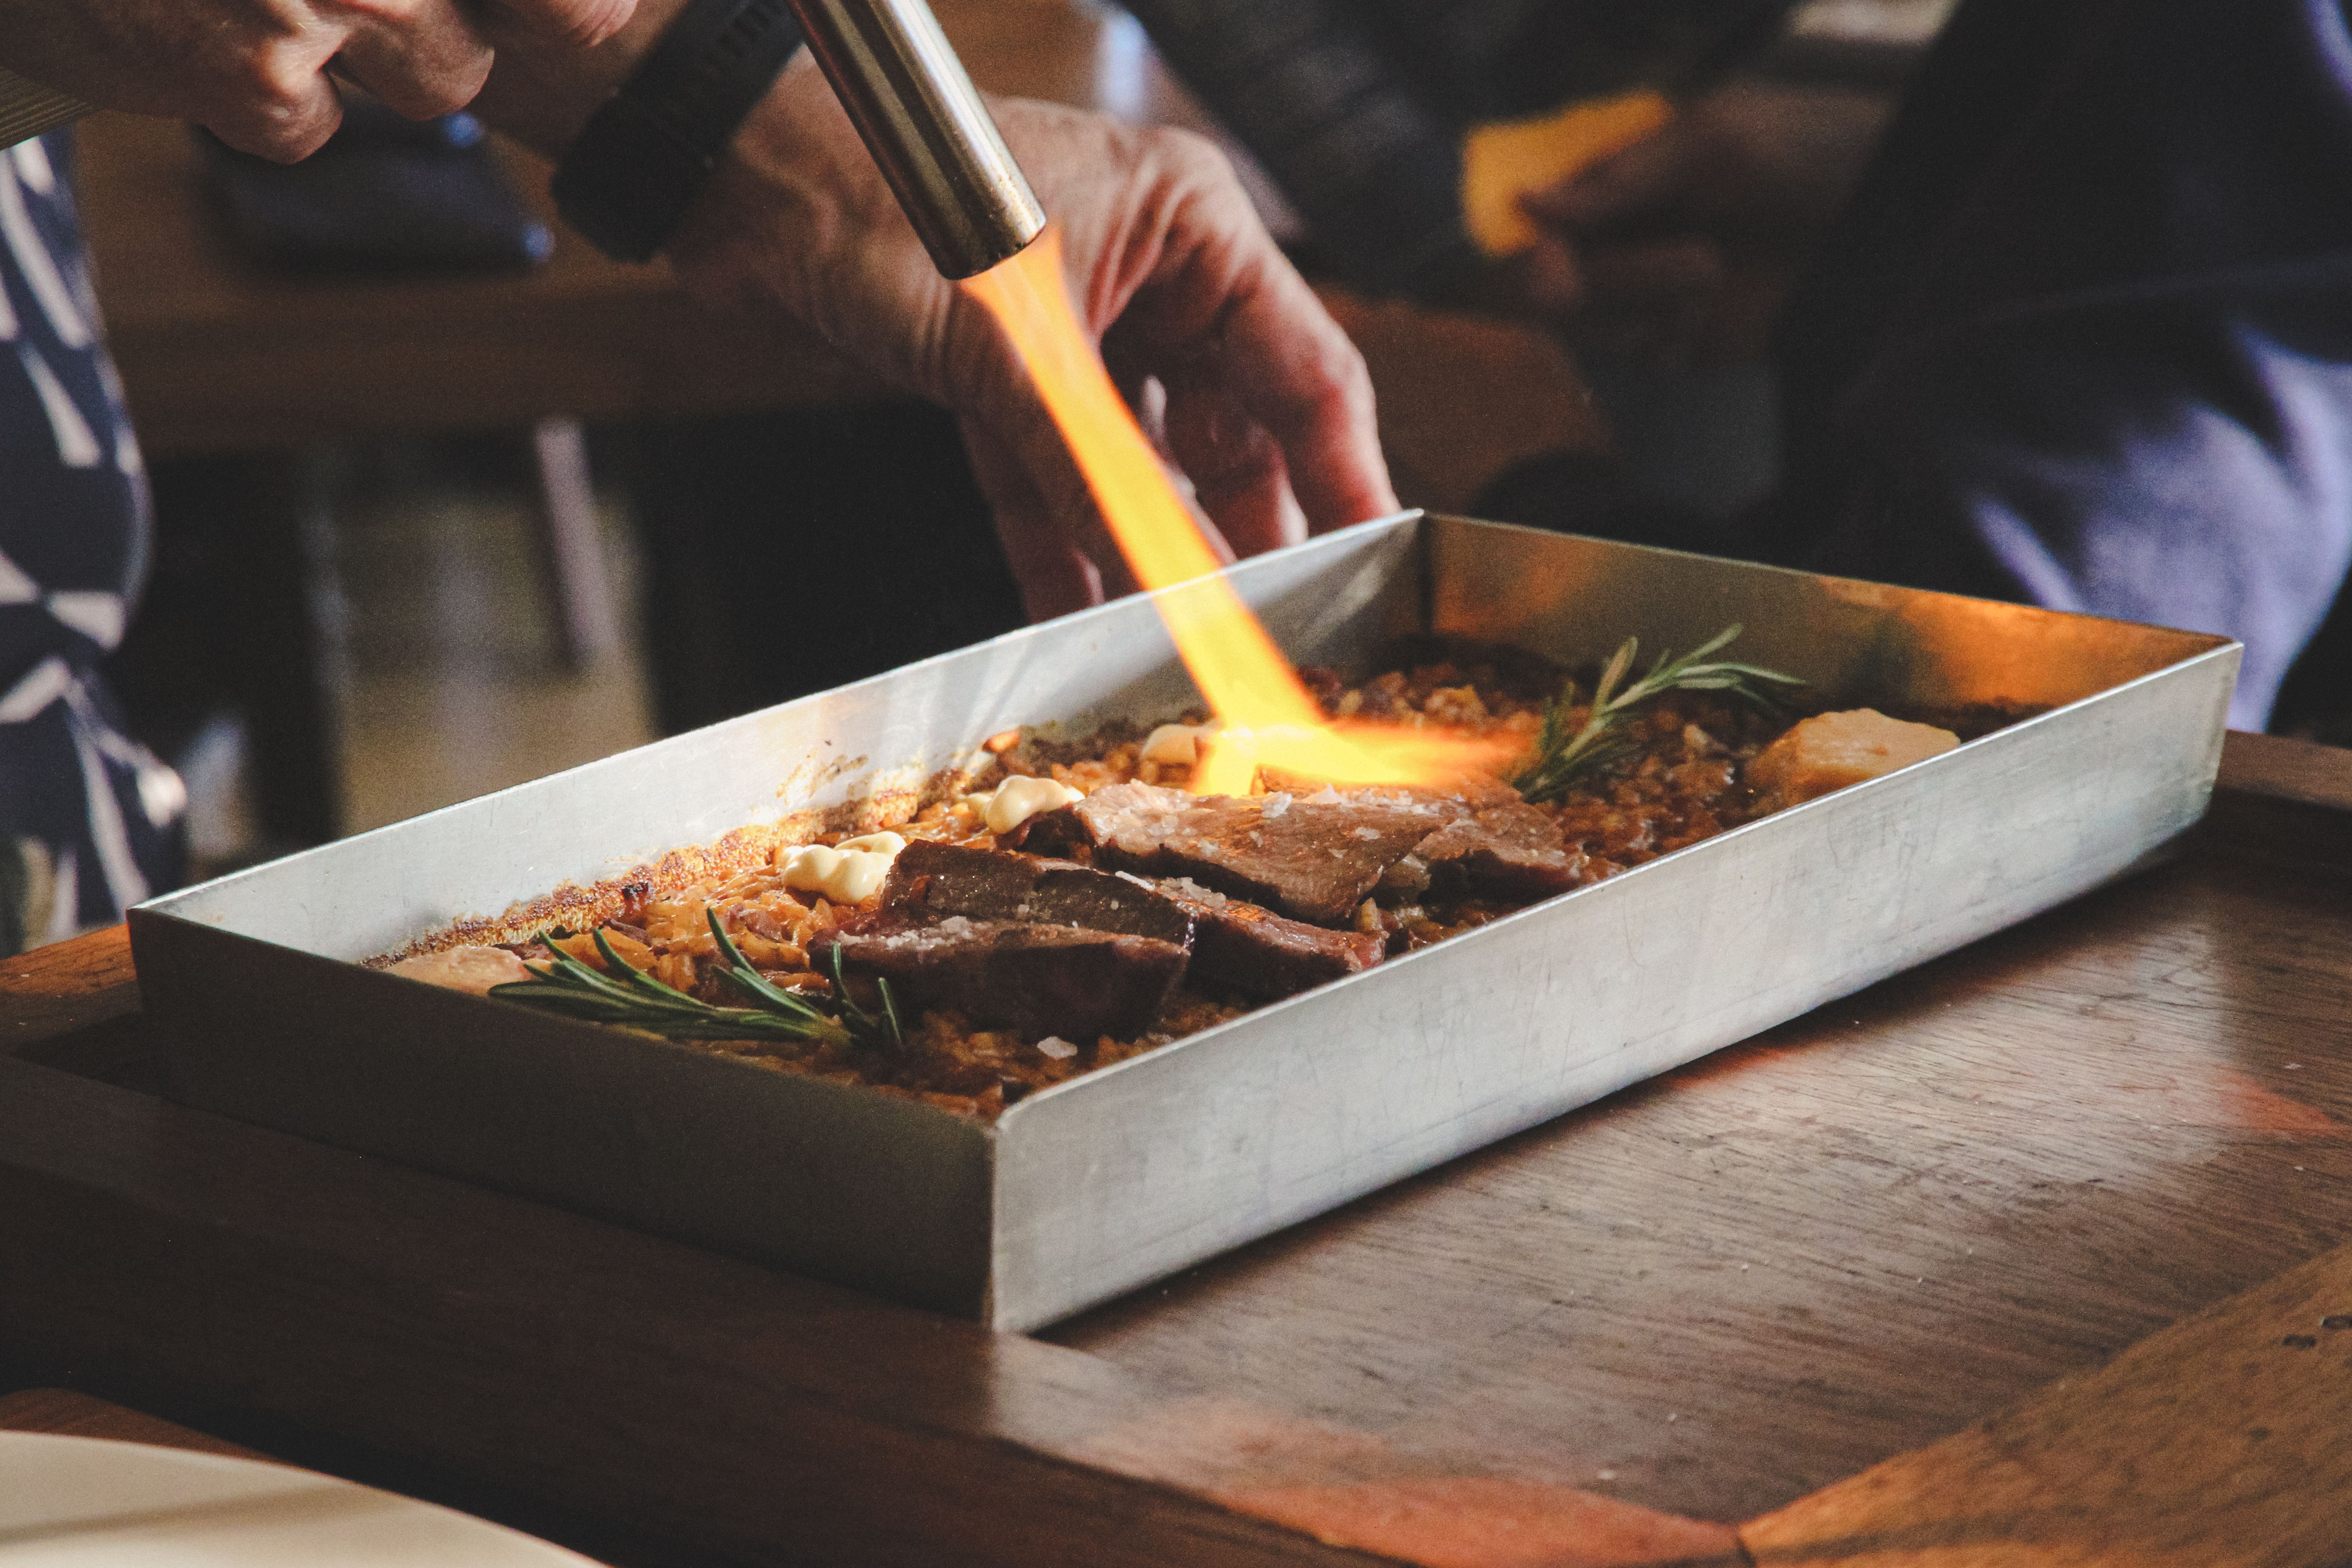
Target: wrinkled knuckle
(393, 15)
(274, 82)
(1188, 153)
(591, 22)
(1345, 369)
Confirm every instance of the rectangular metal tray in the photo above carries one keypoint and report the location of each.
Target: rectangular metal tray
(1101, 1185)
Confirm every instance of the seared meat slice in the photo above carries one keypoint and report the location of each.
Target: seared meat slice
(1511, 852)
(930, 881)
(1241, 946)
(1037, 978)
(1469, 791)
(1311, 859)
(1263, 955)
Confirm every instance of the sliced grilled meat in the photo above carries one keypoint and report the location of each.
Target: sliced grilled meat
(1037, 978)
(930, 881)
(1235, 945)
(1508, 852)
(1262, 955)
(1313, 860)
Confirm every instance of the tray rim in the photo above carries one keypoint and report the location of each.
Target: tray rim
(1387, 581)
(2199, 648)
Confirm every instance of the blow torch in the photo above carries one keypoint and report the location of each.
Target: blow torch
(921, 118)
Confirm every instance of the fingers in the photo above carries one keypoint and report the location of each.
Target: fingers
(1288, 363)
(582, 22)
(1055, 575)
(282, 107)
(428, 61)
(1660, 300)
(1646, 185)
(1546, 275)
(422, 57)
(1638, 279)
(1238, 474)
(1277, 426)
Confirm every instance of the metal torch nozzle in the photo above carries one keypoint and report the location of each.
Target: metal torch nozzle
(905, 91)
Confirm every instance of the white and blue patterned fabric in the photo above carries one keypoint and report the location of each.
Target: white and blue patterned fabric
(89, 818)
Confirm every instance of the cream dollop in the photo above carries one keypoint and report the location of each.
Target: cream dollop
(846, 875)
(888, 844)
(474, 969)
(1019, 798)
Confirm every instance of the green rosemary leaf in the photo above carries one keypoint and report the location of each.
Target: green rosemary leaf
(625, 996)
(1564, 760)
(882, 1031)
(889, 1011)
(636, 978)
(750, 980)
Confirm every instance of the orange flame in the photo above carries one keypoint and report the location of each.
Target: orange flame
(1269, 719)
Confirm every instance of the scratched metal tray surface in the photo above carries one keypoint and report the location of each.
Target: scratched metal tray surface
(1105, 1183)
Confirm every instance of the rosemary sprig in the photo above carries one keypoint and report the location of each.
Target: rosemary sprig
(634, 1000)
(1563, 760)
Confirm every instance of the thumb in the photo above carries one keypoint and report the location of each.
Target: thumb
(1646, 184)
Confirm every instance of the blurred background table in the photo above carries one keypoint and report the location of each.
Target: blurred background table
(241, 378)
(219, 354)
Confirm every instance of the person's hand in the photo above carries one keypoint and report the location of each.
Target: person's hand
(1251, 389)
(1683, 247)
(256, 72)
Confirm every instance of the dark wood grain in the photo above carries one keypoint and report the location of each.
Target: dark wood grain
(2218, 1443)
(1723, 1289)
(71, 985)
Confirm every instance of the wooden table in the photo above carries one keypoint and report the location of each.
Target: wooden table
(2081, 1185)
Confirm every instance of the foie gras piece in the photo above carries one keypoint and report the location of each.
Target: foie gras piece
(474, 969)
(1311, 859)
(1036, 979)
(930, 881)
(1831, 751)
(1262, 955)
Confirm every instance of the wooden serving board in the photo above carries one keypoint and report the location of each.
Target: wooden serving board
(2029, 1255)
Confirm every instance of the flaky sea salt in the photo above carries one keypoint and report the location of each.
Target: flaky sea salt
(1060, 1049)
